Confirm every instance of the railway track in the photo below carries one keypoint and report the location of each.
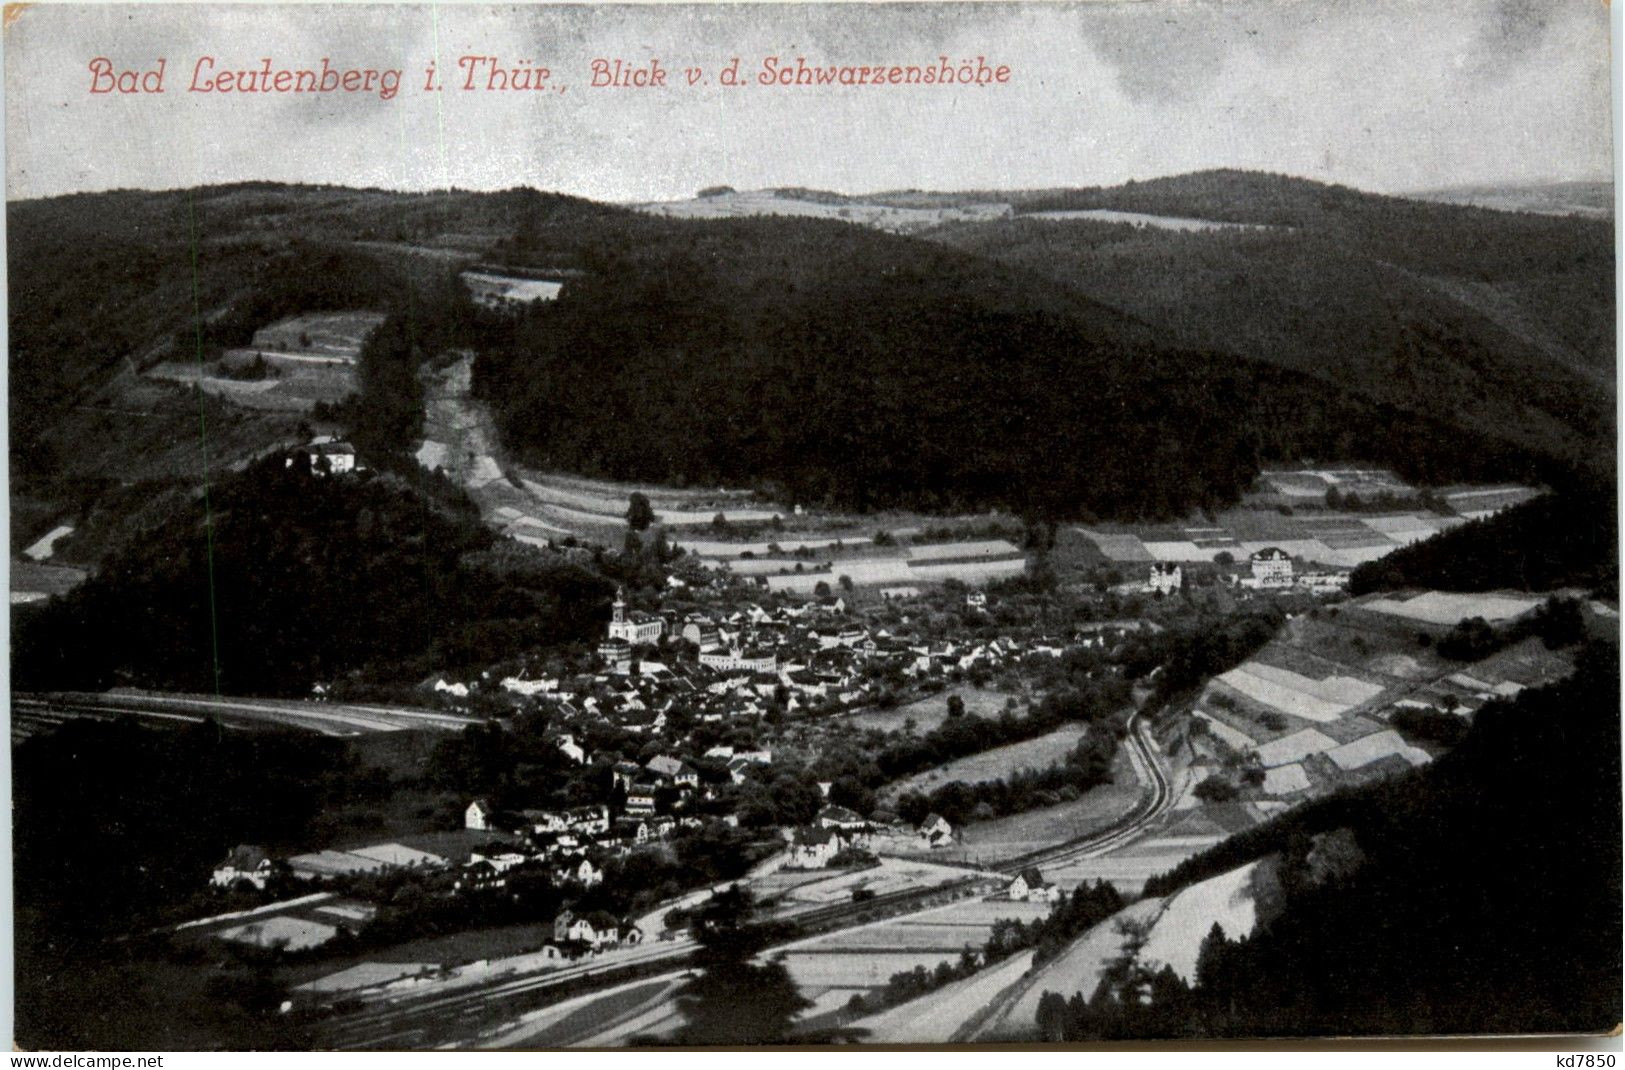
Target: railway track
(1156, 802)
(33, 712)
(435, 1019)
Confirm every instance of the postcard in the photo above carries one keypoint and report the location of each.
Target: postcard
(562, 526)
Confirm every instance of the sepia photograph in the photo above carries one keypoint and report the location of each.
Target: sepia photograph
(553, 526)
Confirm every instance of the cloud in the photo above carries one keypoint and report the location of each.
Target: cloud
(1386, 94)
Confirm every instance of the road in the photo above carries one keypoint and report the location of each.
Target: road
(33, 712)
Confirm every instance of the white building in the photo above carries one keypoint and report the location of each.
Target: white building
(737, 660)
(244, 863)
(1272, 567)
(1165, 578)
(633, 627)
(813, 848)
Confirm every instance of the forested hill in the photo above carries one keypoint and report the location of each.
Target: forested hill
(283, 578)
(1069, 367)
(1426, 903)
(104, 285)
(1569, 539)
(844, 365)
(1504, 321)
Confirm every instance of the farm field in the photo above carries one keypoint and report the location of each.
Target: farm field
(1077, 969)
(1020, 833)
(455, 949)
(578, 1022)
(1326, 699)
(335, 334)
(929, 712)
(1141, 219)
(972, 563)
(34, 582)
(835, 886)
(492, 289)
(994, 764)
(1005, 837)
(1450, 608)
(736, 204)
(936, 1017)
(863, 958)
(1291, 515)
(1185, 920)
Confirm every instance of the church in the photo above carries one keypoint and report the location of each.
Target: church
(635, 628)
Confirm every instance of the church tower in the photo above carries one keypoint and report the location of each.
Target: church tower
(618, 610)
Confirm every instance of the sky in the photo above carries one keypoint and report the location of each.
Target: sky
(1384, 95)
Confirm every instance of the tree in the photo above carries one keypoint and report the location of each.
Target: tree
(956, 706)
(639, 513)
(735, 1001)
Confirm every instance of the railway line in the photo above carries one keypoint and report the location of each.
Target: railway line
(1156, 803)
(450, 1017)
(34, 712)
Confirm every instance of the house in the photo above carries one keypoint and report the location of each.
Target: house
(616, 655)
(706, 636)
(898, 594)
(753, 659)
(633, 628)
(1164, 578)
(328, 457)
(839, 817)
(674, 770)
(1031, 887)
(484, 817)
(573, 750)
(633, 829)
(1272, 567)
(542, 822)
(596, 928)
(625, 774)
(976, 600)
(484, 873)
(590, 820)
(641, 799)
(936, 831)
(245, 863)
(813, 847)
(581, 870)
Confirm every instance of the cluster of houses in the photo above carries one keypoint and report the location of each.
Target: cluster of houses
(1269, 569)
(837, 829)
(743, 662)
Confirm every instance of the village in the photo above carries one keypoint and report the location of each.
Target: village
(669, 733)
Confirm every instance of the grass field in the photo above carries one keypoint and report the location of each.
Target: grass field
(867, 956)
(997, 763)
(1003, 837)
(454, 949)
(929, 712)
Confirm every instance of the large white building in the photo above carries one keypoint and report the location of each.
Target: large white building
(1272, 567)
(1164, 578)
(736, 660)
(634, 628)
